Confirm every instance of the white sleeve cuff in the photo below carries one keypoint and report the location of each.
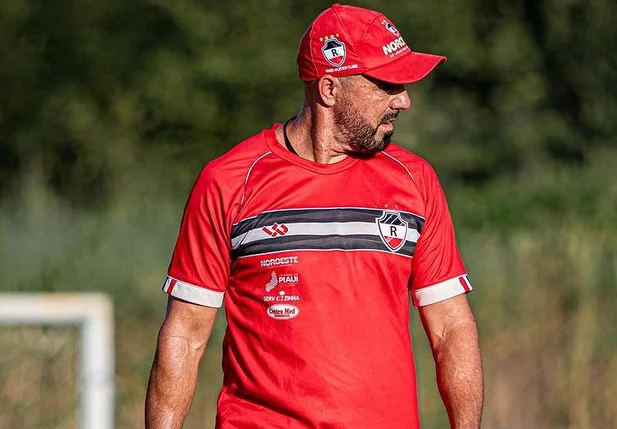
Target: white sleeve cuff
(192, 293)
(441, 291)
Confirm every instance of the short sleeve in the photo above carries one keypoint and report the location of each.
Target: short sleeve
(199, 268)
(438, 272)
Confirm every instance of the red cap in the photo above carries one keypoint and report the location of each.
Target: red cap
(346, 40)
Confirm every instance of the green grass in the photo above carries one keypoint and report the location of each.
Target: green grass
(545, 303)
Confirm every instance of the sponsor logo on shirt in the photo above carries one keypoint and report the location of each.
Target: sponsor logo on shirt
(272, 283)
(276, 230)
(392, 229)
(288, 279)
(284, 279)
(283, 311)
(273, 262)
(281, 297)
(281, 280)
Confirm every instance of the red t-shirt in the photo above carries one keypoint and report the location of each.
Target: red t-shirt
(315, 265)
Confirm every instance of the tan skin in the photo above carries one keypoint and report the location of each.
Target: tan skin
(449, 325)
(313, 133)
(181, 344)
(453, 337)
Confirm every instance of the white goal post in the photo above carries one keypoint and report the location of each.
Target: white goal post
(93, 313)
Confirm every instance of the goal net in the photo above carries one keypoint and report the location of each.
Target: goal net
(56, 361)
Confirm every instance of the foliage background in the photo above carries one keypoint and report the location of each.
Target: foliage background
(109, 109)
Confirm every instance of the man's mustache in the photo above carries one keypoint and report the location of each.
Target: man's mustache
(390, 116)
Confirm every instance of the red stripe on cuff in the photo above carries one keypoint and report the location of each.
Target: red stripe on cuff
(464, 283)
(172, 283)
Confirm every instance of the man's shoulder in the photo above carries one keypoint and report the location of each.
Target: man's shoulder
(228, 172)
(417, 166)
(232, 167)
(240, 157)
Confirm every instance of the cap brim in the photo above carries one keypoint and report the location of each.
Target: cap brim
(409, 68)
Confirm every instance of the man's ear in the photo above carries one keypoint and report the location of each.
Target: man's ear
(329, 89)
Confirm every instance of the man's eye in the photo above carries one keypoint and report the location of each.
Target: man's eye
(391, 87)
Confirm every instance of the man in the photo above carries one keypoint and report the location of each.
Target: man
(314, 234)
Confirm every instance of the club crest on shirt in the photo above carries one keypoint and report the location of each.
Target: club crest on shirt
(392, 230)
(333, 50)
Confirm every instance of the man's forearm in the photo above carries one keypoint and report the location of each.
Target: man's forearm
(172, 381)
(459, 376)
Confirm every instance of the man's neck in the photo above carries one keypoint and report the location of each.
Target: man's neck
(312, 137)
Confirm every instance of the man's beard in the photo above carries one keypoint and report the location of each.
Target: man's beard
(360, 135)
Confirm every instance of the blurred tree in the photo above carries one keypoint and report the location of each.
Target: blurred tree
(528, 84)
(93, 89)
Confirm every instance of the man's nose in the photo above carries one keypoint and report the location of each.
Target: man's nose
(401, 100)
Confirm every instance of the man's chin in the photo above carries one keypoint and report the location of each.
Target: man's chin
(367, 152)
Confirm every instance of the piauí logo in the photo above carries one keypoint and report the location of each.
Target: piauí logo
(274, 281)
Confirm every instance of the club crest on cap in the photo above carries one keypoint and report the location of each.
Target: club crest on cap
(391, 28)
(333, 50)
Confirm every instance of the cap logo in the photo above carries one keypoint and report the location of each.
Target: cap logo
(391, 28)
(333, 50)
(395, 47)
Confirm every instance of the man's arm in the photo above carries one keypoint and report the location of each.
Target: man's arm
(181, 343)
(453, 336)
